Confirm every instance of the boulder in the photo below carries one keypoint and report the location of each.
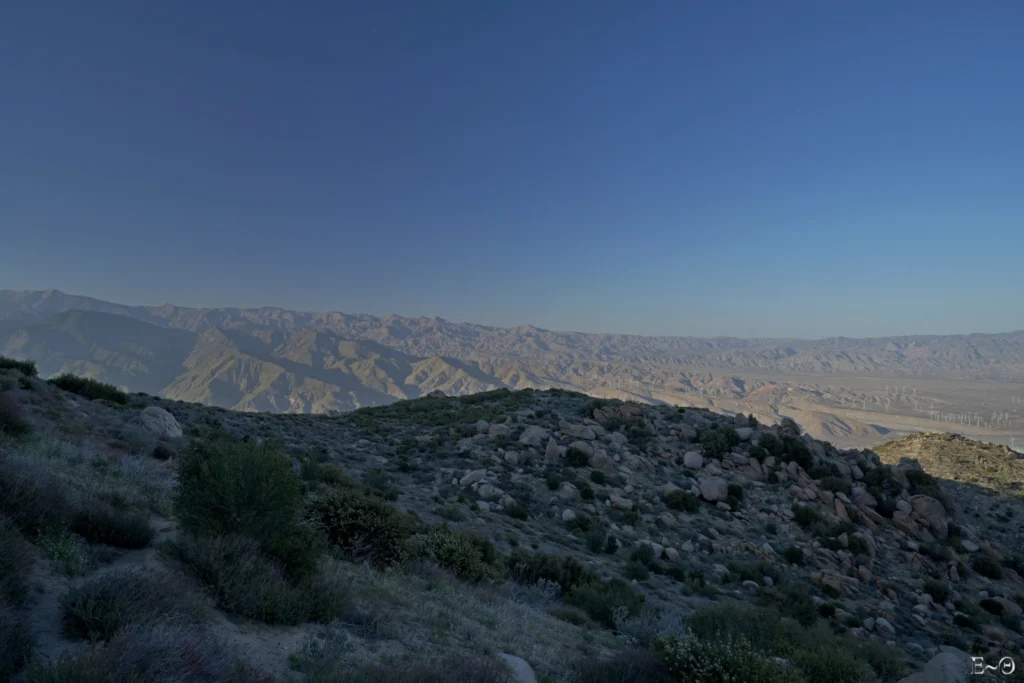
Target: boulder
(499, 430)
(482, 426)
(534, 436)
(949, 666)
(160, 422)
(551, 453)
(714, 489)
(582, 447)
(933, 514)
(472, 477)
(620, 502)
(568, 515)
(693, 460)
(521, 671)
(745, 433)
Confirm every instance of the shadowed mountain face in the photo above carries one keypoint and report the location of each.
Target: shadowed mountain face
(296, 361)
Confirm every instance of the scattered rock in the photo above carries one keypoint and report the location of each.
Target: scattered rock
(714, 489)
(160, 422)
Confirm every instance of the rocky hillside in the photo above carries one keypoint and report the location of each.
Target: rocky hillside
(558, 531)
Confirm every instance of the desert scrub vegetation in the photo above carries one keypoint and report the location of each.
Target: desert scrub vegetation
(362, 525)
(145, 654)
(466, 556)
(321, 666)
(103, 606)
(89, 388)
(25, 367)
(243, 580)
(15, 637)
(12, 422)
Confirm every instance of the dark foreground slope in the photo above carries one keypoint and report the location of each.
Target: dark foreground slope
(496, 537)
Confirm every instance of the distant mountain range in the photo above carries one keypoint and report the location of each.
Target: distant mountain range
(280, 360)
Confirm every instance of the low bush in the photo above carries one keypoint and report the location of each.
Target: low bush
(466, 556)
(684, 501)
(836, 484)
(320, 667)
(15, 640)
(32, 497)
(12, 422)
(805, 516)
(529, 568)
(26, 367)
(68, 552)
(362, 525)
(244, 581)
(227, 486)
(771, 443)
(574, 457)
(15, 563)
(101, 607)
(987, 567)
(89, 388)
(794, 554)
(721, 660)
(637, 665)
(163, 653)
(937, 589)
(99, 522)
(923, 484)
(795, 450)
(600, 599)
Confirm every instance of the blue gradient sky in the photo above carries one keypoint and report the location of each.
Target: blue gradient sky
(772, 168)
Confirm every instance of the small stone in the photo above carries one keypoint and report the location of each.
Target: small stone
(568, 515)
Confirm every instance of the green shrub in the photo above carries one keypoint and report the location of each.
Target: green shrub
(735, 491)
(298, 549)
(596, 539)
(15, 641)
(101, 607)
(517, 511)
(227, 486)
(986, 566)
(99, 522)
(722, 661)
(160, 654)
(245, 582)
(937, 589)
(717, 442)
(637, 571)
(362, 525)
(683, 501)
(600, 599)
(529, 568)
(597, 476)
(834, 666)
(89, 388)
(805, 516)
(25, 367)
(32, 497)
(795, 450)
(12, 422)
(612, 545)
(771, 443)
(836, 484)
(467, 557)
(637, 665)
(326, 667)
(794, 555)
(162, 452)
(923, 484)
(992, 606)
(575, 457)
(15, 563)
(68, 552)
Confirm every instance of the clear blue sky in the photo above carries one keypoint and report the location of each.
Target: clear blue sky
(778, 168)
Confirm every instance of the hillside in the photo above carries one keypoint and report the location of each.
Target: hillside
(520, 536)
(854, 393)
(976, 356)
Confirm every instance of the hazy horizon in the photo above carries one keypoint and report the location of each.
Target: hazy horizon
(474, 322)
(785, 170)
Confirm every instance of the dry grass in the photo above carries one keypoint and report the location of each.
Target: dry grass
(422, 610)
(165, 653)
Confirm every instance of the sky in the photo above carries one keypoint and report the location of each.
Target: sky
(743, 168)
